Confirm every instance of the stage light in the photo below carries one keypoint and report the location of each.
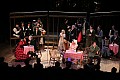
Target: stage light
(95, 2)
(34, 20)
(74, 5)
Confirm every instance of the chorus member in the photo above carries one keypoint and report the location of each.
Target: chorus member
(68, 33)
(39, 22)
(73, 33)
(31, 41)
(28, 29)
(62, 35)
(66, 43)
(16, 31)
(37, 34)
(94, 52)
(115, 38)
(90, 36)
(73, 45)
(37, 25)
(111, 32)
(105, 47)
(99, 36)
(22, 33)
(79, 31)
(42, 39)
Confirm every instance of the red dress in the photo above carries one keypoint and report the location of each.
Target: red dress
(19, 53)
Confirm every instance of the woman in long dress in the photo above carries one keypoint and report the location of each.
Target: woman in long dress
(19, 52)
(62, 35)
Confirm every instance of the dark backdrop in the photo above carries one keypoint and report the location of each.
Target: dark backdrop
(8, 6)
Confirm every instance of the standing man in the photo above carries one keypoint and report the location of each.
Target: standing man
(90, 36)
(28, 29)
(22, 33)
(37, 32)
(99, 36)
(73, 34)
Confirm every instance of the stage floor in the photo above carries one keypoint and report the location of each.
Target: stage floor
(6, 51)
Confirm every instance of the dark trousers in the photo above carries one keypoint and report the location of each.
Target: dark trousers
(96, 57)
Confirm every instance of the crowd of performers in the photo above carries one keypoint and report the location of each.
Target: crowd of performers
(70, 38)
(82, 36)
(32, 34)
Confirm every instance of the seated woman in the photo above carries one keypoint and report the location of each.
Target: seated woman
(66, 44)
(73, 45)
(19, 52)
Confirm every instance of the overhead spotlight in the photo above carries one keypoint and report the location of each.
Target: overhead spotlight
(74, 5)
(57, 4)
(34, 20)
(96, 3)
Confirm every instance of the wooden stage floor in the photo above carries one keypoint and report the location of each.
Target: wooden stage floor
(105, 65)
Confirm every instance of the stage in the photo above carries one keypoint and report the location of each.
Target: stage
(6, 52)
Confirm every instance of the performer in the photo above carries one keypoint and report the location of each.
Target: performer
(94, 52)
(29, 30)
(99, 36)
(73, 33)
(23, 31)
(73, 45)
(42, 39)
(90, 36)
(116, 41)
(19, 52)
(68, 33)
(79, 30)
(66, 44)
(37, 32)
(115, 38)
(16, 31)
(62, 35)
(105, 47)
(111, 32)
(31, 41)
(38, 23)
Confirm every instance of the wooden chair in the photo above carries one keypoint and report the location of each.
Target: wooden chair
(54, 56)
(85, 57)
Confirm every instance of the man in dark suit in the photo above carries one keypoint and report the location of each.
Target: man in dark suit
(22, 32)
(37, 32)
(28, 29)
(73, 34)
(90, 36)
